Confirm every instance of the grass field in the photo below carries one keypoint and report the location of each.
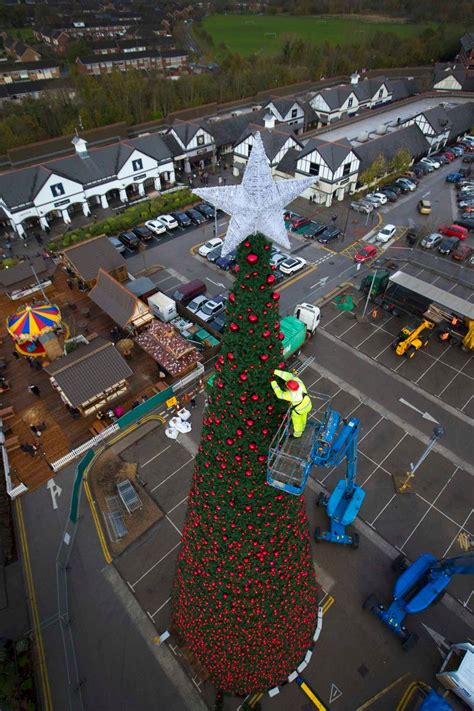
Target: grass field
(248, 34)
(24, 33)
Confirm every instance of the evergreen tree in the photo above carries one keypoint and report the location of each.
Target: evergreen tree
(244, 596)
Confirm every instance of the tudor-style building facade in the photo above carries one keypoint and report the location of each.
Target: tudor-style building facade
(434, 125)
(192, 145)
(287, 111)
(277, 141)
(335, 168)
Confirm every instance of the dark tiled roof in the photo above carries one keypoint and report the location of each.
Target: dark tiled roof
(458, 71)
(21, 275)
(114, 299)
(273, 138)
(461, 118)
(333, 153)
(227, 131)
(18, 66)
(282, 105)
(94, 254)
(335, 96)
(119, 57)
(288, 162)
(438, 119)
(410, 138)
(467, 41)
(186, 130)
(367, 88)
(89, 370)
(403, 88)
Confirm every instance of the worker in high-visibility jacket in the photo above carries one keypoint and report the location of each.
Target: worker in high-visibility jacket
(297, 395)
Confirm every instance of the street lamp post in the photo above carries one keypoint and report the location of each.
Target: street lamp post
(402, 486)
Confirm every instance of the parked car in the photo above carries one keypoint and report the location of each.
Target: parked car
(330, 234)
(381, 196)
(143, 233)
(468, 158)
(206, 210)
(187, 292)
(277, 259)
(182, 219)
(228, 261)
(448, 244)
(298, 222)
(431, 240)
(441, 159)
(196, 217)
(412, 236)
(209, 246)
(467, 214)
(119, 246)
(218, 323)
(424, 167)
(314, 230)
(453, 177)
(291, 265)
(424, 207)
(365, 253)
(374, 200)
(196, 303)
(362, 206)
(168, 221)
(406, 184)
(391, 195)
(129, 240)
(465, 172)
(214, 254)
(449, 155)
(386, 233)
(394, 188)
(211, 308)
(462, 252)
(156, 227)
(457, 150)
(467, 201)
(467, 222)
(431, 162)
(453, 231)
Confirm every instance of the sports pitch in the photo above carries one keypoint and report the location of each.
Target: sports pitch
(248, 34)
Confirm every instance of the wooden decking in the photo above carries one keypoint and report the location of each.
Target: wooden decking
(63, 432)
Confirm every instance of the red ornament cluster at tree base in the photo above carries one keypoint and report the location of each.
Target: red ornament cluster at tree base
(244, 597)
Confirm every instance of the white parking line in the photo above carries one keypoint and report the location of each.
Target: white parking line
(467, 403)
(455, 376)
(326, 324)
(382, 510)
(379, 465)
(178, 504)
(432, 364)
(173, 524)
(152, 614)
(435, 508)
(133, 585)
(430, 507)
(155, 456)
(172, 474)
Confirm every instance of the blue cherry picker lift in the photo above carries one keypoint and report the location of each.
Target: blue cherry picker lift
(420, 585)
(325, 443)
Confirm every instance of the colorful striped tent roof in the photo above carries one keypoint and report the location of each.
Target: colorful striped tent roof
(30, 322)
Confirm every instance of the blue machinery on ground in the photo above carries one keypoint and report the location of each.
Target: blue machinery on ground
(325, 443)
(420, 585)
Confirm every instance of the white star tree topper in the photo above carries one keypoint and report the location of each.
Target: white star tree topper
(256, 205)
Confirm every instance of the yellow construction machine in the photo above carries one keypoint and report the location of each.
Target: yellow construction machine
(410, 340)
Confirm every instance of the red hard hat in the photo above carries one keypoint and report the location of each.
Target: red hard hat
(292, 385)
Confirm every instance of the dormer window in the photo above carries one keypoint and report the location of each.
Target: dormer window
(200, 140)
(57, 189)
(137, 165)
(294, 113)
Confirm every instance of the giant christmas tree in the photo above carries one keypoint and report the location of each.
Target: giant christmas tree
(244, 596)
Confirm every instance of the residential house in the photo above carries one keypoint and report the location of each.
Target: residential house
(91, 376)
(85, 181)
(435, 125)
(97, 65)
(104, 47)
(20, 51)
(28, 71)
(84, 29)
(20, 90)
(334, 165)
(277, 141)
(466, 55)
(55, 38)
(174, 60)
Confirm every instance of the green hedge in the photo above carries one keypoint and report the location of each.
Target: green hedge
(129, 218)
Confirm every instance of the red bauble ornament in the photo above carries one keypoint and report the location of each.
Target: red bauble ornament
(275, 296)
(250, 422)
(261, 457)
(252, 258)
(264, 357)
(254, 397)
(231, 297)
(233, 326)
(243, 398)
(270, 279)
(253, 318)
(230, 356)
(266, 333)
(243, 376)
(247, 244)
(230, 441)
(239, 432)
(281, 336)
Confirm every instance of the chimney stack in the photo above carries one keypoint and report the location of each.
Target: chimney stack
(269, 120)
(355, 78)
(81, 146)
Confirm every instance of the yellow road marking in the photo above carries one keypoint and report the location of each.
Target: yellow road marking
(85, 481)
(34, 607)
(296, 278)
(327, 603)
(194, 249)
(312, 696)
(383, 692)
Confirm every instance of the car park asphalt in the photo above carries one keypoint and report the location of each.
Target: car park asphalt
(353, 362)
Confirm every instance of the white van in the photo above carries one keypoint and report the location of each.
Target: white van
(162, 306)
